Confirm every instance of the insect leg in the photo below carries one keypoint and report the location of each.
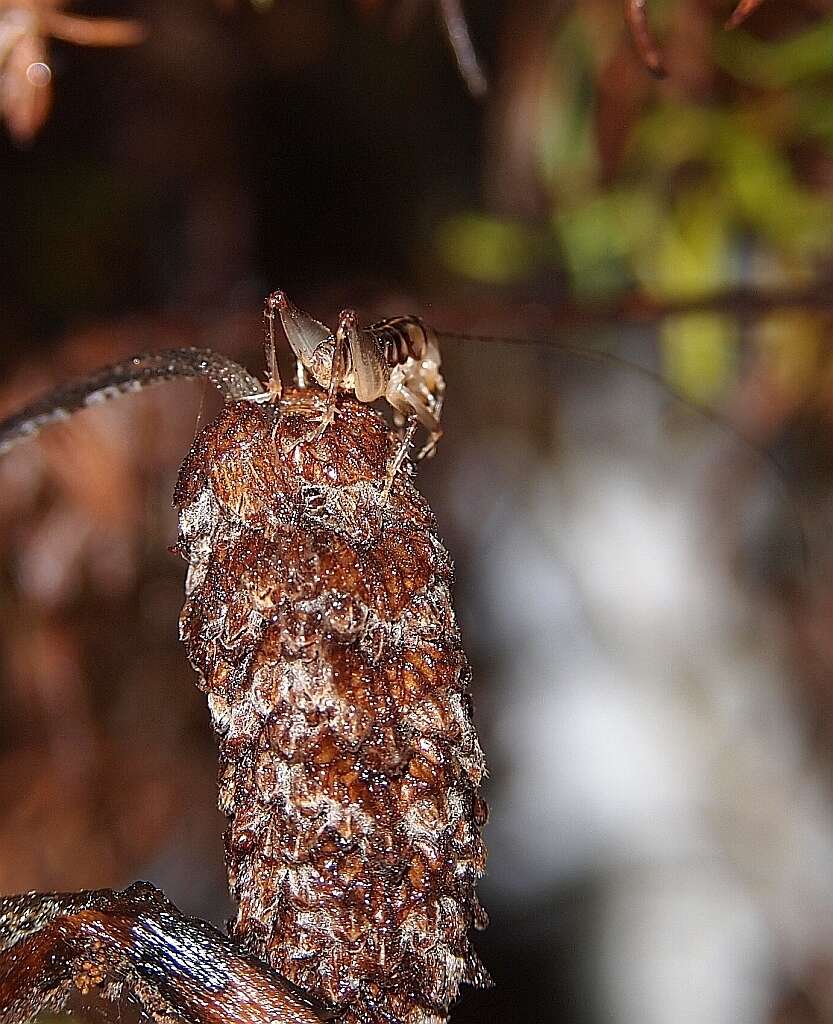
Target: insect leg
(403, 398)
(275, 387)
(347, 328)
(346, 332)
(636, 16)
(395, 463)
(333, 375)
(742, 12)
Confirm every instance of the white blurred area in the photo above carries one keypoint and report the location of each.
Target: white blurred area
(640, 714)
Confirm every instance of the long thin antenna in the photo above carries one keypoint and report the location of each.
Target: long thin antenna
(704, 411)
(231, 379)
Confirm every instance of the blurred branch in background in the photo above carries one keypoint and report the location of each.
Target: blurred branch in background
(636, 14)
(637, 17)
(25, 72)
(742, 12)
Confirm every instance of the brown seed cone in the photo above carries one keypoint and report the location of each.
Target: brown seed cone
(320, 621)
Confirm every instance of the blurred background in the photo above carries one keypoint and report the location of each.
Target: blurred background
(646, 592)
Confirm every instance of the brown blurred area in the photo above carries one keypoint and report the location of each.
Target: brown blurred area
(647, 600)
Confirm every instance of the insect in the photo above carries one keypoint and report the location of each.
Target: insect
(318, 617)
(397, 359)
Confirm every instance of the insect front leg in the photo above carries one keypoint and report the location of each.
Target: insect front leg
(326, 356)
(307, 337)
(346, 332)
(134, 944)
(275, 388)
(334, 374)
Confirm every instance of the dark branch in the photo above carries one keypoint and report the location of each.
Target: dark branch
(188, 363)
(135, 945)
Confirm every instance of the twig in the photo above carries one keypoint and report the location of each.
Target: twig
(742, 12)
(637, 19)
(457, 32)
(74, 28)
(134, 943)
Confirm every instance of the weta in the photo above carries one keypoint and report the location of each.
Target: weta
(397, 359)
(319, 620)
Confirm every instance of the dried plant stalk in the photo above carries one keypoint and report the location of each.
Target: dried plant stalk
(319, 618)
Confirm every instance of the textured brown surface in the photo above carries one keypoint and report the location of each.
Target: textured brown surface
(134, 946)
(320, 622)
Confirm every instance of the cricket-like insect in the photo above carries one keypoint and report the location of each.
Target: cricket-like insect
(397, 359)
(318, 617)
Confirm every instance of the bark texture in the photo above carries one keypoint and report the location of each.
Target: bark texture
(134, 946)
